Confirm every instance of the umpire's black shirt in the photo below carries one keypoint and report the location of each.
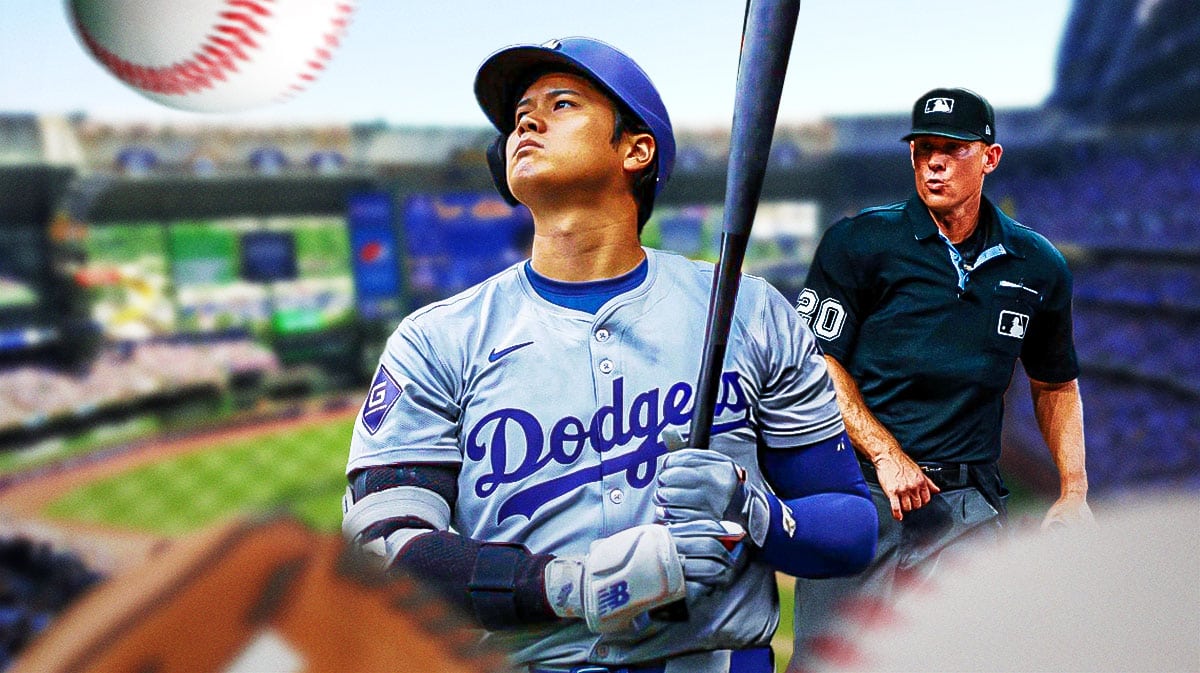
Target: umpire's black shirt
(930, 339)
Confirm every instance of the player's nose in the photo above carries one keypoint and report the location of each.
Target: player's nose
(530, 122)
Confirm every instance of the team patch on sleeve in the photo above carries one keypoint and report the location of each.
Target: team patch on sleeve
(380, 400)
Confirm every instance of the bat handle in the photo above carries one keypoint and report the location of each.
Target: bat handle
(671, 612)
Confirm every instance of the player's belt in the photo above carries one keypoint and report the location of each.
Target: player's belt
(753, 660)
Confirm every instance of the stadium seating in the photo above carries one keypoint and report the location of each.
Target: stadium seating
(1136, 195)
(1127, 214)
(124, 375)
(36, 583)
(1175, 285)
(1138, 435)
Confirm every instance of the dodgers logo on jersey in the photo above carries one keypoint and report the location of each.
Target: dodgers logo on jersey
(613, 426)
(380, 399)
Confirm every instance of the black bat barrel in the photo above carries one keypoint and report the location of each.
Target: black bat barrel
(766, 45)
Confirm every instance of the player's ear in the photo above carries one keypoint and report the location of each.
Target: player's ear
(991, 157)
(640, 149)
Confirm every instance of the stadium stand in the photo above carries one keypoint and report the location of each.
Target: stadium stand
(20, 139)
(37, 582)
(1123, 199)
(1130, 61)
(124, 376)
(1084, 195)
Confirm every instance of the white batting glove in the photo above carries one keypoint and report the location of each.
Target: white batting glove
(699, 484)
(621, 579)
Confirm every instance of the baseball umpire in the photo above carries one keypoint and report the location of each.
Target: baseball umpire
(513, 448)
(922, 308)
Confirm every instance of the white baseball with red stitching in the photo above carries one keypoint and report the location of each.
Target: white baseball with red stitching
(213, 55)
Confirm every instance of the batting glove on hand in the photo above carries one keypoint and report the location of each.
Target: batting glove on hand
(621, 579)
(710, 551)
(699, 484)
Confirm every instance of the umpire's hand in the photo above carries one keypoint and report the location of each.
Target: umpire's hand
(903, 482)
(1071, 509)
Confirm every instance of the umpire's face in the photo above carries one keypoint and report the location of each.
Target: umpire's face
(563, 146)
(949, 172)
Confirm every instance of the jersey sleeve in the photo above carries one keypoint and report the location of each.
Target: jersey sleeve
(411, 411)
(797, 403)
(830, 301)
(1048, 352)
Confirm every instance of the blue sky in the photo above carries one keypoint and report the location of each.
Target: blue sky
(412, 63)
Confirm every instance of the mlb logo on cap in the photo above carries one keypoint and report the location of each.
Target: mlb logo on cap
(939, 105)
(953, 113)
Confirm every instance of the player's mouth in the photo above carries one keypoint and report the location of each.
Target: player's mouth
(526, 144)
(935, 185)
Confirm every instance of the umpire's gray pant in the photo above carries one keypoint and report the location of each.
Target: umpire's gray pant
(909, 549)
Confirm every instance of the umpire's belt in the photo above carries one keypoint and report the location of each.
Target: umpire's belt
(947, 476)
(753, 660)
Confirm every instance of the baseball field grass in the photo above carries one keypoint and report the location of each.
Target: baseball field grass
(297, 469)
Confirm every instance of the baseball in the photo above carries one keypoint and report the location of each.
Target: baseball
(213, 55)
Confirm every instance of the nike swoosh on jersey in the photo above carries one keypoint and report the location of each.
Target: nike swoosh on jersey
(497, 354)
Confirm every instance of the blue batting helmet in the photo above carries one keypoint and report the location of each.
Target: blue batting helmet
(503, 72)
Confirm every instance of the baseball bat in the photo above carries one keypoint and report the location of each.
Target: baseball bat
(767, 36)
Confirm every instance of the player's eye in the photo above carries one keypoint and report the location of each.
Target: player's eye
(562, 103)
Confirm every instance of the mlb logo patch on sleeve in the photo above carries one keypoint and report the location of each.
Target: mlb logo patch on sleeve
(380, 400)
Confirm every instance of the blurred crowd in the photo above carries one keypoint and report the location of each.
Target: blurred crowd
(1128, 216)
(1139, 196)
(37, 582)
(126, 374)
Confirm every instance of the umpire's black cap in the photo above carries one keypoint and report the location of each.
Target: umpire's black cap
(953, 113)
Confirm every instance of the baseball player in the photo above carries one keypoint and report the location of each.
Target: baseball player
(513, 448)
(922, 308)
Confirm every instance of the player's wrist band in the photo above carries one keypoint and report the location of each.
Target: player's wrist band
(506, 587)
(493, 584)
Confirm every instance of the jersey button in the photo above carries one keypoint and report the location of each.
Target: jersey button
(617, 496)
(602, 335)
(606, 366)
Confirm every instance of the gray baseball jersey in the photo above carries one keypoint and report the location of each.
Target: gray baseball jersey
(557, 417)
